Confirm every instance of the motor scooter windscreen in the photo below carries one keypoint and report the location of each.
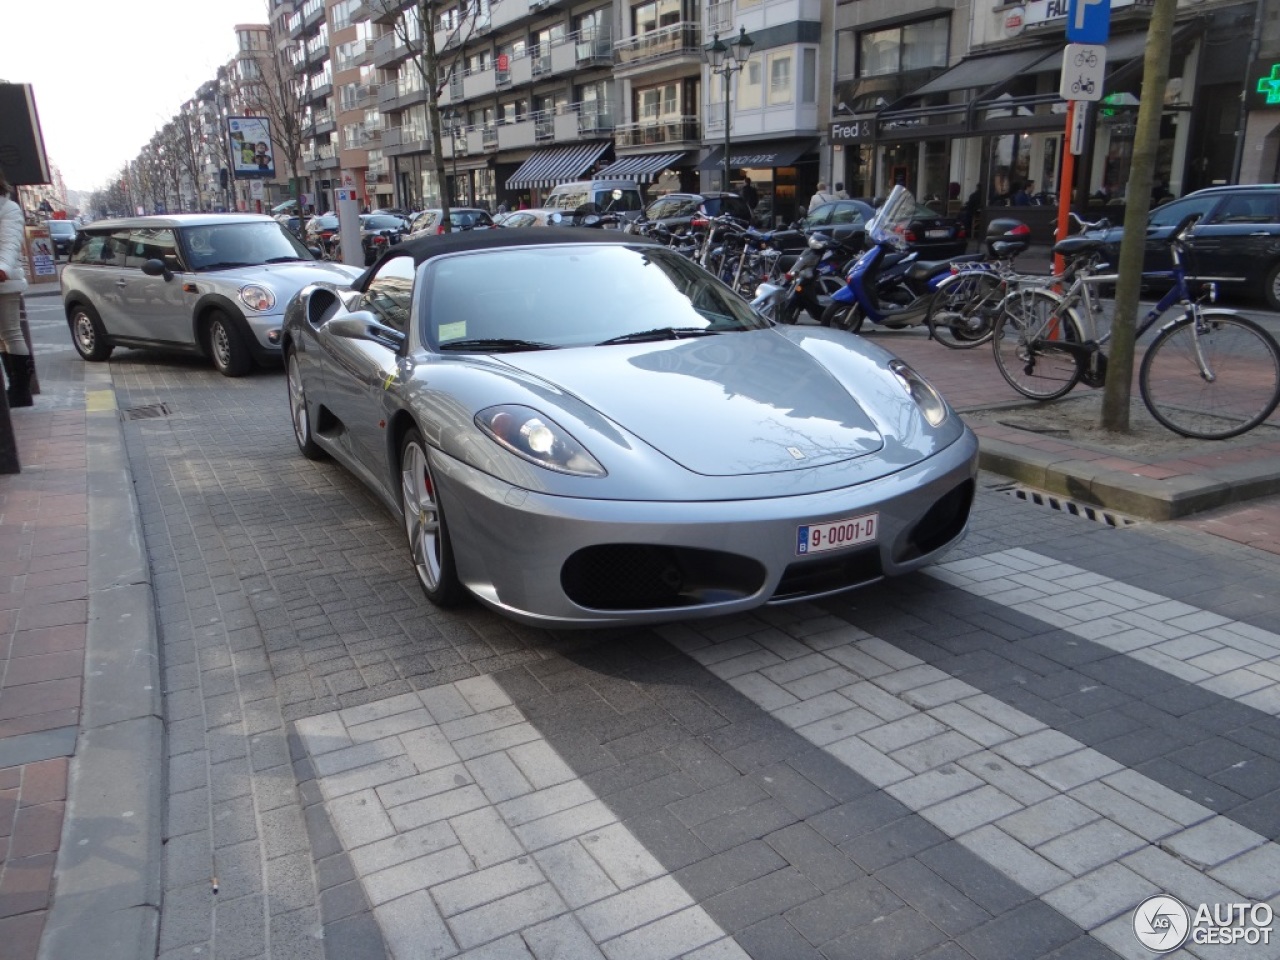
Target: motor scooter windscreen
(889, 225)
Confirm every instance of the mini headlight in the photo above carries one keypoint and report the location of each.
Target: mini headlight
(257, 297)
(538, 439)
(921, 391)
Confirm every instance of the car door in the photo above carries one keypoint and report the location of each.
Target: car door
(95, 268)
(1162, 222)
(157, 308)
(1240, 237)
(358, 372)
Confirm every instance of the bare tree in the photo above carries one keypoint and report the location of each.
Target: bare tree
(188, 140)
(426, 59)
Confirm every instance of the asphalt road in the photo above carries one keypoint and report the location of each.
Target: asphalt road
(1001, 757)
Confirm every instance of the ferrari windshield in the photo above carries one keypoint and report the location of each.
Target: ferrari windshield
(224, 245)
(891, 220)
(574, 295)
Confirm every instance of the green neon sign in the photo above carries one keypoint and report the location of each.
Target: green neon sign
(1269, 86)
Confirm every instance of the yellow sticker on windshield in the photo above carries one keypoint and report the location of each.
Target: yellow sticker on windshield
(453, 331)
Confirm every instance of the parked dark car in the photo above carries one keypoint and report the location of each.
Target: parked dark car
(431, 222)
(378, 231)
(682, 212)
(63, 235)
(932, 235)
(1236, 241)
(321, 230)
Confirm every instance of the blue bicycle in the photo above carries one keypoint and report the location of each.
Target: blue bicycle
(1209, 373)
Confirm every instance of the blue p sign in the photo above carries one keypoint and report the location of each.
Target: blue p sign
(1088, 21)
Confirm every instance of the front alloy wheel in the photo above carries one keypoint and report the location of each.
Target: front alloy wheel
(428, 536)
(298, 409)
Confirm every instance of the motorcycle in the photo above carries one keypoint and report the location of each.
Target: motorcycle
(885, 284)
(808, 285)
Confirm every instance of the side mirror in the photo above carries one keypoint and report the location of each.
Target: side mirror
(555, 217)
(362, 325)
(157, 268)
(315, 252)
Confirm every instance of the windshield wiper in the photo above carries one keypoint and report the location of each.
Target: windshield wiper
(226, 265)
(660, 333)
(496, 345)
(286, 260)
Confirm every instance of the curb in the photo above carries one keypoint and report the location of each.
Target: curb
(1143, 497)
(107, 890)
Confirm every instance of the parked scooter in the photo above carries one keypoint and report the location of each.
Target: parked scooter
(808, 285)
(891, 290)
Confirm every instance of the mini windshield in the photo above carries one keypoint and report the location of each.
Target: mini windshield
(224, 245)
(889, 225)
(574, 295)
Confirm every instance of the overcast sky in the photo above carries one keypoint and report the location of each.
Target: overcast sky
(108, 74)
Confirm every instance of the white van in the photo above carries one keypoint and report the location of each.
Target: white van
(570, 196)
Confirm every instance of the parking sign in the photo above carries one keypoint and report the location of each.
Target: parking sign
(1088, 21)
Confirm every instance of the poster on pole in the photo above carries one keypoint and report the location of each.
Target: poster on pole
(252, 154)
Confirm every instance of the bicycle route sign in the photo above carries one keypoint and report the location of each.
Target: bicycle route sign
(1084, 66)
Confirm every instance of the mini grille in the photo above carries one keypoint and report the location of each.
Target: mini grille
(147, 412)
(1085, 510)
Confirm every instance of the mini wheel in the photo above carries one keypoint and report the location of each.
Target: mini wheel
(87, 334)
(227, 349)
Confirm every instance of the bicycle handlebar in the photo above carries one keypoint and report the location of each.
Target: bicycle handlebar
(1084, 224)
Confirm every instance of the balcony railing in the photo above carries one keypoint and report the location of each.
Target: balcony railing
(680, 39)
(674, 130)
(592, 47)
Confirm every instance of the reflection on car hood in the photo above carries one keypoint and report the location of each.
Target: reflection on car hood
(289, 276)
(729, 405)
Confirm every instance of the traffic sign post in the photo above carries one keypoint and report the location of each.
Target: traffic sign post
(1088, 21)
(1084, 68)
(1084, 71)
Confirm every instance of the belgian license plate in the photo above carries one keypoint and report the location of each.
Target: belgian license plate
(937, 234)
(837, 534)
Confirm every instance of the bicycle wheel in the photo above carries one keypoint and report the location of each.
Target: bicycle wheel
(964, 308)
(1025, 343)
(1243, 386)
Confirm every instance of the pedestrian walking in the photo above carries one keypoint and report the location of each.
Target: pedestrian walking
(840, 192)
(820, 197)
(749, 194)
(14, 352)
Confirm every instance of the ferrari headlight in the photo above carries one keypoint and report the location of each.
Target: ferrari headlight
(921, 391)
(257, 297)
(538, 439)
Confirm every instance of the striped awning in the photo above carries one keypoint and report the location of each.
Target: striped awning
(546, 168)
(641, 167)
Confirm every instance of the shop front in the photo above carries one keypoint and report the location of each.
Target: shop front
(784, 173)
(990, 132)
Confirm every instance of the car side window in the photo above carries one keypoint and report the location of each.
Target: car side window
(846, 213)
(151, 244)
(390, 292)
(822, 216)
(89, 248)
(1171, 214)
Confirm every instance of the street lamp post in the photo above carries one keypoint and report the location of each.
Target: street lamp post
(452, 117)
(727, 66)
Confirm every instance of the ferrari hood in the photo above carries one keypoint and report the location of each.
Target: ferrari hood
(726, 405)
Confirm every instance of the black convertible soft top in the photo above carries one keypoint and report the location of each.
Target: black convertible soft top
(462, 241)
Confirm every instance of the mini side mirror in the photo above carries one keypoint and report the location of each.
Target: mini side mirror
(157, 268)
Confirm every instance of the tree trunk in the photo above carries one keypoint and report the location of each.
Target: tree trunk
(1146, 140)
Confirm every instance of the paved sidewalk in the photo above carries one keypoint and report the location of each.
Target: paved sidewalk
(80, 727)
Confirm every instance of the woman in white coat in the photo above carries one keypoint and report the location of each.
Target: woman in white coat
(13, 347)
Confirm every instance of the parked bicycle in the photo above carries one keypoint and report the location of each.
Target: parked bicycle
(1209, 373)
